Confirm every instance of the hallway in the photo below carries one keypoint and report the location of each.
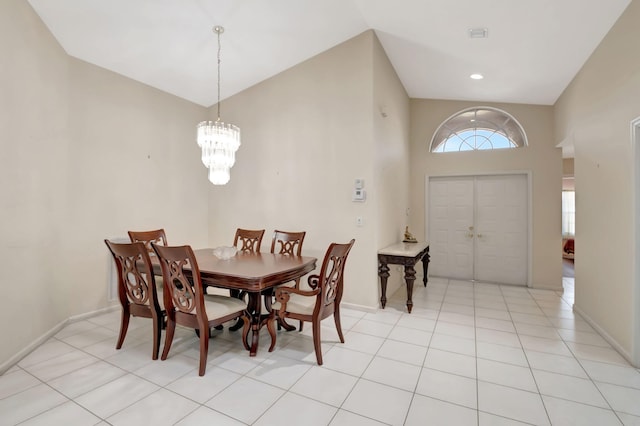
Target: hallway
(567, 268)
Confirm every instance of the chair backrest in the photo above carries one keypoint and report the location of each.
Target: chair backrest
(136, 283)
(284, 242)
(147, 237)
(183, 291)
(331, 278)
(248, 240)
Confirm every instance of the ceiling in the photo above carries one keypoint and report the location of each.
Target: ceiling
(533, 50)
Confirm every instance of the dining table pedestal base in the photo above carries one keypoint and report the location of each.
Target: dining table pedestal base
(257, 321)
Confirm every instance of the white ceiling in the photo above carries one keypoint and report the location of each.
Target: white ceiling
(533, 50)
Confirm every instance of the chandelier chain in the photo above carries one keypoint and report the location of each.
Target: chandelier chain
(218, 31)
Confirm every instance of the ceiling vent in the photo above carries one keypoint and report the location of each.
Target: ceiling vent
(478, 33)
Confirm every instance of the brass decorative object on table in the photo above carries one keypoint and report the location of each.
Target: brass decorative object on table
(408, 237)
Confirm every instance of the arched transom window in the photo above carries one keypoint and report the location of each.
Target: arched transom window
(478, 128)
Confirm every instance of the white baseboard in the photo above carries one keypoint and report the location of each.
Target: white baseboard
(626, 355)
(76, 318)
(547, 287)
(32, 346)
(363, 308)
(49, 334)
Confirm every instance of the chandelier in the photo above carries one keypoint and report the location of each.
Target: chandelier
(219, 141)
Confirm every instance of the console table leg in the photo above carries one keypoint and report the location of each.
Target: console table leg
(425, 266)
(383, 272)
(409, 277)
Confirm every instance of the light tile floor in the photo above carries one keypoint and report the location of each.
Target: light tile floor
(469, 354)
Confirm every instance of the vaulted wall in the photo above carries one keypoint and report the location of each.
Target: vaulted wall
(594, 114)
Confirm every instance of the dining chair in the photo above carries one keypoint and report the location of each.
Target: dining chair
(248, 240)
(137, 290)
(188, 305)
(285, 242)
(290, 243)
(147, 237)
(318, 303)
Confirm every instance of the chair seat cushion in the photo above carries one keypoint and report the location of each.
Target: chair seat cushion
(298, 304)
(218, 306)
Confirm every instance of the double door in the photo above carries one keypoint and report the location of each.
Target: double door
(478, 228)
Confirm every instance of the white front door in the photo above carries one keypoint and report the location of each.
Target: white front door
(501, 224)
(451, 245)
(478, 228)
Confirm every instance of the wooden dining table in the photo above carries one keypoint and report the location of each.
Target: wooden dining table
(250, 273)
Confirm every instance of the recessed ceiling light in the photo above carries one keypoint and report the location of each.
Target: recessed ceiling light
(477, 76)
(478, 33)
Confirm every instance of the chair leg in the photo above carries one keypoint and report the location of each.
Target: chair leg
(316, 341)
(124, 326)
(168, 338)
(271, 319)
(204, 350)
(245, 330)
(268, 301)
(284, 324)
(336, 318)
(157, 330)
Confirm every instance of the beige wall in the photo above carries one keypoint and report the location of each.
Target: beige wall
(595, 112)
(391, 161)
(86, 155)
(567, 167)
(307, 134)
(540, 158)
(35, 141)
(133, 164)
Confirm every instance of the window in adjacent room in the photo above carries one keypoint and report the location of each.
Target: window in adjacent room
(568, 213)
(478, 128)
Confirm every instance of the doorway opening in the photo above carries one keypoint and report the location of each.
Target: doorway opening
(479, 227)
(568, 219)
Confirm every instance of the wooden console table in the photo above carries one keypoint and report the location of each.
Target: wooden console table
(406, 254)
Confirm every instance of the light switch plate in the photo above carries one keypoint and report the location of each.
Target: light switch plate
(359, 195)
